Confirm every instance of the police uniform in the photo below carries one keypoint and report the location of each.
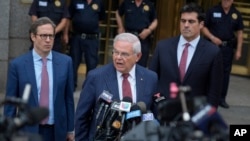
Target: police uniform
(56, 10)
(224, 26)
(135, 20)
(85, 37)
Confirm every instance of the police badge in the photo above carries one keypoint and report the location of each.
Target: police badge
(94, 6)
(146, 8)
(57, 3)
(234, 16)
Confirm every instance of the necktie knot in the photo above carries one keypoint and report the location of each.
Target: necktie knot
(125, 75)
(187, 45)
(44, 60)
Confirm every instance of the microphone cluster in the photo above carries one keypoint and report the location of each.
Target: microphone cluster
(27, 115)
(181, 119)
(119, 117)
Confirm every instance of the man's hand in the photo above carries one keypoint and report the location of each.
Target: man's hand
(145, 33)
(216, 41)
(237, 55)
(70, 137)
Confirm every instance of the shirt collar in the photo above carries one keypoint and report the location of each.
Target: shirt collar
(37, 57)
(193, 43)
(131, 73)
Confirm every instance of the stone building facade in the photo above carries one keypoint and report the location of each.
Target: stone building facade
(14, 37)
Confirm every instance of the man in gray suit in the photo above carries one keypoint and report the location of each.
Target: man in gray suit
(143, 84)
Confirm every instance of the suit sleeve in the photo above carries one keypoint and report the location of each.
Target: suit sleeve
(11, 89)
(216, 80)
(84, 111)
(154, 64)
(69, 98)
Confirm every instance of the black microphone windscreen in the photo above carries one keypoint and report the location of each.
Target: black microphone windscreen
(134, 108)
(37, 114)
(142, 106)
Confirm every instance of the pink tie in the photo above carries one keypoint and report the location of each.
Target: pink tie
(183, 62)
(44, 94)
(126, 89)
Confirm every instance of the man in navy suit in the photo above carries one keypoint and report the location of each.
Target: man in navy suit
(143, 84)
(59, 125)
(203, 70)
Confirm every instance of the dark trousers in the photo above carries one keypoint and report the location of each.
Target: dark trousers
(227, 54)
(145, 48)
(47, 132)
(88, 47)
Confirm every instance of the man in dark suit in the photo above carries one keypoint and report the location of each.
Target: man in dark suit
(203, 69)
(58, 94)
(143, 84)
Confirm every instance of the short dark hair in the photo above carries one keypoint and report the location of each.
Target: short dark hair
(194, 7)
(39, 22)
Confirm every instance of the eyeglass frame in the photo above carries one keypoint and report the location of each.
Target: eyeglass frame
(45, 36)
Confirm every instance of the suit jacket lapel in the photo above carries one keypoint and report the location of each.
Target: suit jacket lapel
(111, 82)
(173, 56)
(29, 66)
(56, 68)
(140, 83)
(196, 57)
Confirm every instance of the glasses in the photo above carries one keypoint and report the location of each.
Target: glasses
(45, 36)
(122, 54)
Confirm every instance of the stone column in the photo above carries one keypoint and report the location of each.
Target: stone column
(4, 42)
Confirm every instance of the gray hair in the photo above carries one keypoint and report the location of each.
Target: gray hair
(131, 38)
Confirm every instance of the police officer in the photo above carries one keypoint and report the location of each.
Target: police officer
(140, 19)
(222, 21)
(57, 11)
(85, 18)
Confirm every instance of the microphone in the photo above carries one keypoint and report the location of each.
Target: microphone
(148, 117)
(158, 98)
(142, 106)
(183, 90)
(209, 121)
(31, 117)
(17, 101)
(113, 113)
(104, 98)
(26, 93)
(134, 116)
(173, 90)
(125, 106)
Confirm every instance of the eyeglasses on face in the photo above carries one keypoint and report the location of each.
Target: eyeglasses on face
(122, 54)
(45, 36)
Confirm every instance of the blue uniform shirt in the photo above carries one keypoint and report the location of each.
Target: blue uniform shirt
(85, 17)
(223, 25)
(137, 18)
(55, 10)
